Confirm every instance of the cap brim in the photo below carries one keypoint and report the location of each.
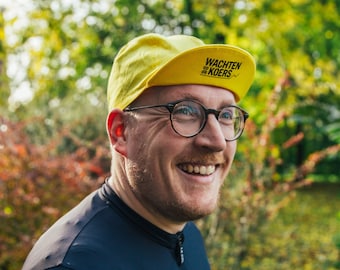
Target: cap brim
(223, 66)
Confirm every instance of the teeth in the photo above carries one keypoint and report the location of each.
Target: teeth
(189, 168)
(203, 170)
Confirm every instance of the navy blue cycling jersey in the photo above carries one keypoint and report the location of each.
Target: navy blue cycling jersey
(103, 233)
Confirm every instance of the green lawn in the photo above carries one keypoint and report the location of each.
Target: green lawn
(302, 235)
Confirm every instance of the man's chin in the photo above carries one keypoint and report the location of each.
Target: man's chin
(192, 214)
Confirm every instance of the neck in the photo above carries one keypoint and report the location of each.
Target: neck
(119, 183)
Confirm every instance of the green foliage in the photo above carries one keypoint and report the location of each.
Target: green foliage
(299, 237)
(4, 88)
(255, 193)
(54, 140)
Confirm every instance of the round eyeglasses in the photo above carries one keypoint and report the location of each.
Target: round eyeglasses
(188, 118)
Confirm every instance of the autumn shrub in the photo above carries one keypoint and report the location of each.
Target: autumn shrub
(38, 183)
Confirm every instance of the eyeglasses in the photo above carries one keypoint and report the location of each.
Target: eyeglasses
(188, 118)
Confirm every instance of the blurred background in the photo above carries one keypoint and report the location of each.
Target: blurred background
(280, 207)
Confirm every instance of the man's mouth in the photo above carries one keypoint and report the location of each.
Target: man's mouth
(198, 169)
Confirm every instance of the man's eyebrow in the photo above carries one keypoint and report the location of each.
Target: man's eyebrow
(191, 97)
(226, 104)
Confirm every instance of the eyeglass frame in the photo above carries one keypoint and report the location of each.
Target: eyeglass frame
(171, 105)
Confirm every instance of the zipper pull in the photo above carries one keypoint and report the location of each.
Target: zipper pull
(179, 248)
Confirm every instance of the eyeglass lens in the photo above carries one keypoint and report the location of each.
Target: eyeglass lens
(188, 118)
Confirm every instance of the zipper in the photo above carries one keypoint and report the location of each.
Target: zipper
(179, 248)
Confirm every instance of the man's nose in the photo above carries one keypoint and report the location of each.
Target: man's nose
(212, 136)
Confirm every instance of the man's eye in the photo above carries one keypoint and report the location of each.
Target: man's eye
(184, 110)
(226, 115)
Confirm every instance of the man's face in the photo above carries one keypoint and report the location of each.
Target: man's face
(174, 177)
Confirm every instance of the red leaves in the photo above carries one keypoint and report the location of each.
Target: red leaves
(313, 159)
(294, 140)
(38, 184)
(20, 158)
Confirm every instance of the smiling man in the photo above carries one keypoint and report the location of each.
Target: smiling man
(173, 124)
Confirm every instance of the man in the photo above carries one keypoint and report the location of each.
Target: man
(173, 125)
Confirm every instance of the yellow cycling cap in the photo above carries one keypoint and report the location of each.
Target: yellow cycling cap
(156, 60)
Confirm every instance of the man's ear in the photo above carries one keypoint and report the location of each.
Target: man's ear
(115, 129)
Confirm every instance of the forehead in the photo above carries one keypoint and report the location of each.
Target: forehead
(205, 94)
